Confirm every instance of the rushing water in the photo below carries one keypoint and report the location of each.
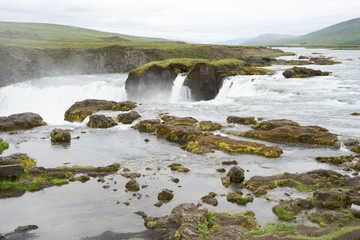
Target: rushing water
(78, 210)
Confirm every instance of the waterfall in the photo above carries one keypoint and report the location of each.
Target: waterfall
(179, 92)
(52, 96)
(237, 86)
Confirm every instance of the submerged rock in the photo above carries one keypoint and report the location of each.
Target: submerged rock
(80, 110)
(128, 118)
(101, 121)
(60, 135)
(21, 121)
(301, 72)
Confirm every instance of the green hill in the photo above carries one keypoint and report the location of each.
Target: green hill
(344, 33)
(44, 31)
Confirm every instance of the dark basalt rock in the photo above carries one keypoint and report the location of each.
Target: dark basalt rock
(178, 133)
(60, 135)
(210, 199)
(209, 126)
(301, 72)
(148, 126)
(236, 174)
(173, 120)
(165, 195)
(128, 118)
(21, 121)
(241, 120)
(287, 131)
(11, 171)
(80, 110)
(132, 185)
(331, 199)
(101, 121)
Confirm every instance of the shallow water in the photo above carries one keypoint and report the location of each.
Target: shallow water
(78, 210)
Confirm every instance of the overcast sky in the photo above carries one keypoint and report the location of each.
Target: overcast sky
(187, 20)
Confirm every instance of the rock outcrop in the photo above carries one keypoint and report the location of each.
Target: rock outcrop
(80, 110)
(301, 72)
(101, 121)
(21, 121)
(60, 135)
(128, 118)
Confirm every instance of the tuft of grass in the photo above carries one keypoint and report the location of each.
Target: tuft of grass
(3, 145)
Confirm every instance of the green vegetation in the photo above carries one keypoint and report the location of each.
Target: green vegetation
(284, 214)
(3, 145)
(273, 228)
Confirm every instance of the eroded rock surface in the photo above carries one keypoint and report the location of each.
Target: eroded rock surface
(21, 121)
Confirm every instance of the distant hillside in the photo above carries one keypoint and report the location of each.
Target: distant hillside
(237, 41)
(265, 39)
(344, 33)
(44, 31)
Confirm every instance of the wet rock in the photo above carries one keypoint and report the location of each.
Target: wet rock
(221, 170)
(178, 167)
(241, 120)
(60, 135)
(331, 199)
(175, 180)
(236, 197)
(80, 110)
(260, 192)
(226, 181)
(356, 149)
(335, 160)
(232, 162)
(21, 121)
(132, 185)
(209, 126)
(101, 121)
(178, 133)
(128, 118)
(356, 166)
(301, 72)
(146, 140)
(165, 195)
(141, 214)
(324, 218)
(148, 126)
(210, 199)
(26, 228)
(236, 174)
(173, 120)
(323, 61)
(159, 204)
(18, 158)
(286, 131)
(11, 171)
(272, 124)
(355, 114)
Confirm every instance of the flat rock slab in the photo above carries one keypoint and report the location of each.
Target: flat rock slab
(21, 121)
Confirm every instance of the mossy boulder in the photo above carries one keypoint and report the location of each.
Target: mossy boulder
(288, 209)
(331, 217)
(80, 110)
(241, 120)
(356, 166)
(149, 125)
(236, 174)
(356, 149)
(101, 121)
(11, 171)
(132, 185)
(323, 61)
(60, 135)
(3, 145)
(178, 133)
(335, 160)
(21, 121)
(18, 159)
(288, 132)
(331, 199)
(178, 167)
(209, 126)
(236, 197)
(301, 72)
(173, 120)
(210, 199)
(128, 118)
(165, 195)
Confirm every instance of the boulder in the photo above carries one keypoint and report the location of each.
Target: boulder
(173, 120)
(21, 121)
(331, 199)
(18, 158)
(101, 121)
(128, 118)
(335, 160)
(132, 185)
(178, 133)
(356, 149)
(80, 110)
(287, 210)
(210, 199)
(236, 197)
(60, 135)
(236, 174)
(11, 171)
(287, 131)
(165, 195)
(241, 120)
(148, 126)
(209, 126)
(301, 72)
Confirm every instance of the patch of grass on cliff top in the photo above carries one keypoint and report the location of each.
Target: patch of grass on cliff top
(188, 62)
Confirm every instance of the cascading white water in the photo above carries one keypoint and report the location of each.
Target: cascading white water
(51, 97)
(179, 92)
(237, 86)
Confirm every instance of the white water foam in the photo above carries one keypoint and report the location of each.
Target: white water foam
(51, 97)
(179, 92)
(237, 86)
